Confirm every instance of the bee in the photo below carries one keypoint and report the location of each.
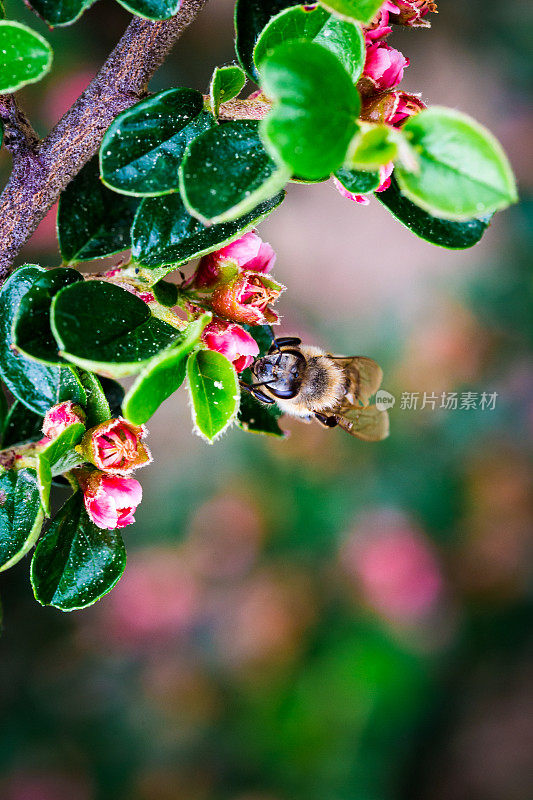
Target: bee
(309, 383)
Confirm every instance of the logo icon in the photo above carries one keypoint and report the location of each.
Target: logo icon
(384, 400)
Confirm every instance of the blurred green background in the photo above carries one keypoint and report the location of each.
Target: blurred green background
(319, 618)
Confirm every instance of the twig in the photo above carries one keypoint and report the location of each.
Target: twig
(41, 170)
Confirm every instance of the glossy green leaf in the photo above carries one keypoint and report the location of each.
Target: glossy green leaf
(32, 334)
(227, 172)
(226, 83)
(359, 10)
(143, 148)
(372, 147)
(462, 171)
(97, 405)
(24, 56)
(60, 12)
(166, 293)
(21, 425)
(442, 232)
(58, 457)
(105, 329)
(92, 221)
(21, 515)
(214, 391)
(256, 417)
(344, 39)
(76, 563)
(152, 9)
(310, 137)
(162, 375)
(251, 16)
(36, 385)
(358, 181)
(165, 233)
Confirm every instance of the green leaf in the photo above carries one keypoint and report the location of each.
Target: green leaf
(227, 172)
(463, 171)
(32, 334)
(24, 56)
(58, 457)
(162, 375)
(256, 417)
(2, 10)
(143, 148)
(251, 16)
(344, 39)
(226, 83)
(105, 329)
(152, 9)
(60, 12)
(92, 222)
(215, 392)
(76, 563)
(358, 181)
(97, 406)
(442, 232)
(372, 147)
(38, 386)
(21, 425)
(311, 137)
(360, 10)
(3, 411)
(21, 515)
(165, 233)
(166, 293)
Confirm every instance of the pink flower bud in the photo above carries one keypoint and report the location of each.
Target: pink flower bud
(60, 417)
(115, 446)
(232, 341)
(110, 500)
(412, 12)
(384, 68)
(384, 176)
(355, 198)
(249, 253)
(379, 28)
(391, 108)
(246, 299)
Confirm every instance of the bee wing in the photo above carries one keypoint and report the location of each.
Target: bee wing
(364, 379)
(369, 423)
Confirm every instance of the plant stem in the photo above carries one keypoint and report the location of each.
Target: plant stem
(42, 169)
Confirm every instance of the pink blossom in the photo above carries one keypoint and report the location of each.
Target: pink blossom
(380, 26)
(110, 500)
(115, 446)
(391, 108)
(362, 199)
(60, 417)
(384, 66)
(232, 341)
(249, 252)
(384, 176)
(247, 299)
(412, 12)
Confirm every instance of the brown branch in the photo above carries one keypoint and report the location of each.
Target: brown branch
(41, 170)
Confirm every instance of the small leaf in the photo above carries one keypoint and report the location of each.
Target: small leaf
(162, 375)
(97, 406)
(251, 16)
(226, 83)
(256, 417)
(359, 10)
(166, 293)
(344, 39)
(21, 515)
(32, 334)
(165, 233)
(442, 232)
(227, 172)
(215, 392)
(152, 9)
(36, 385)
(373, 146)
(76, 563)
(92, 222)
(358, 181)
(60, 12)
(463, 171)
(21, 425)
(58, 457)
(24, 56)
(105, 329)
(310, 137)
(143, 148)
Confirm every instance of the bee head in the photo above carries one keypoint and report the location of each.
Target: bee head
(282, 371)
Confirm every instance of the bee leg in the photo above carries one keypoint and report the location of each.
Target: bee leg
(328, 422)
(285, 341)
